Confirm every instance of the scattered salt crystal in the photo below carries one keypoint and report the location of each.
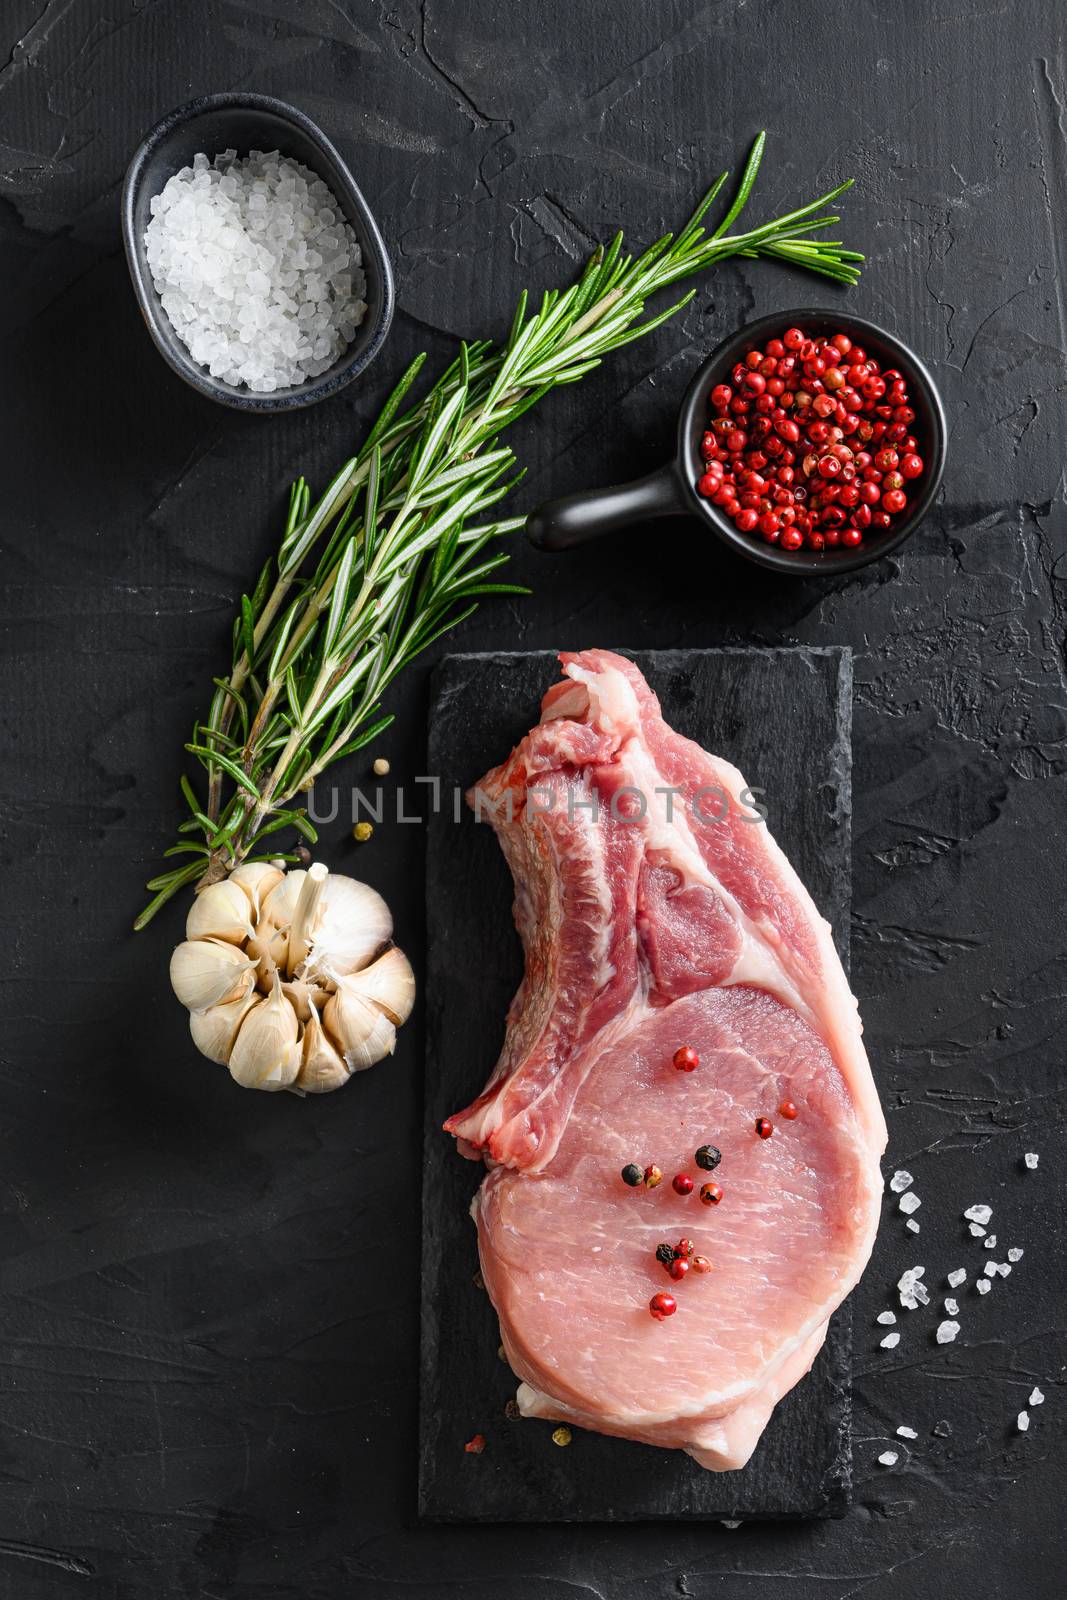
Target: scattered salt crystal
(888, 1458)
(978, 1213)
(1004, 1270)
(890, 1341)
(900, 1181)
(990, 1241)
(906, 1433)
(1031, 1160)
(991, 1269)
(958, 1276)
(1022, 1421)
(982, 1285)
(947, 1331)
(977, 1230)
(912, 1225)
(952, 1307)
(731, 1524)
(1015, 1254)
(232, 246)
(1036, 1398)
(912, 1292)
(886, 1316)
(909, 1202)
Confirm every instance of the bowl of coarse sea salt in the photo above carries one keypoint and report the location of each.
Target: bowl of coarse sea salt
(259, 268)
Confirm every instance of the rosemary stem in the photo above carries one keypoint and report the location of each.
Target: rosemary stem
(357, 590)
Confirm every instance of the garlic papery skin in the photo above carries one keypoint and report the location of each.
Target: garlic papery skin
(388, 983)
(215, 1029)
(256, 879)
(353, 924)
(363, 1032)
(206, 972)
(322, 1067)
(266, 1054)
(221, 911)
(298, 984)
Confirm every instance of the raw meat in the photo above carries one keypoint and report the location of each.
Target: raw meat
(655, 910)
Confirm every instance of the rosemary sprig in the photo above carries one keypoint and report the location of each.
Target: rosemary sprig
(399, 548)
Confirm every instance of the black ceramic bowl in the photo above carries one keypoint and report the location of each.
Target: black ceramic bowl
(244, 122)
(561, 524)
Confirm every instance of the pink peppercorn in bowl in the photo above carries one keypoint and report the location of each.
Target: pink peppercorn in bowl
(834, 541)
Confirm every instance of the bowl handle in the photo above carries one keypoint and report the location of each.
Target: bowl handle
(561, 524)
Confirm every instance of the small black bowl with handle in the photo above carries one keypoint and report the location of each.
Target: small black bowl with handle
(672, 491)
(245, 122)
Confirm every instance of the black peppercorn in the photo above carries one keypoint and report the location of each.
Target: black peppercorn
(665, 1253)
(632, 1175)
(708, 1157)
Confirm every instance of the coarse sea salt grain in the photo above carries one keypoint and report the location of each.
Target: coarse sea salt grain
(982, 1285)
(890, 1341)
(886, 1316)
(977, 1229)
(900, 1181)
(978, 1213)
(909, 1202)
(1031, 1159)
(888, 1458)
(947, 1331)
(1022, 1421)
(1015, 1254)
(952, 1307)
(906, 1433)
(956, 1277)
(912, 1292)
(911, 1225)
(256, 268)
(990, 1241)
(1036, 1398)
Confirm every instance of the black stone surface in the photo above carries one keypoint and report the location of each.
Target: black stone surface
(209, 1300)
(797, 750)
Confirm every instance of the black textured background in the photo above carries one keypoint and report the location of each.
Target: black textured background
(209, 1313)
(480, 706)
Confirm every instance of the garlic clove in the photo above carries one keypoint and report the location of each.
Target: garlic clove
(256, 879)
(390, 983)
(352, 925)
(359, 1028)
(266, 1054)
(219, 912)
(280, 902)
(206, 972)
(323, 1068)
(215, 1029)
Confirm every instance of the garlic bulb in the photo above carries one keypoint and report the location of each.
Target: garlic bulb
(290, 978)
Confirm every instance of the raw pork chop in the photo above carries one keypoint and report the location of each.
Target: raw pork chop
(650, 919)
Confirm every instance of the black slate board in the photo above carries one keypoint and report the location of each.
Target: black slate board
(784, 717)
